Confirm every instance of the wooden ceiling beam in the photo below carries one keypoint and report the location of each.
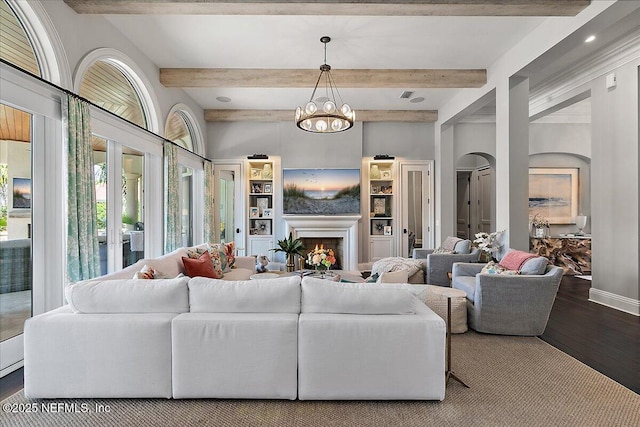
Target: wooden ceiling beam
(371, 78)
(333, 7)
(421, 116)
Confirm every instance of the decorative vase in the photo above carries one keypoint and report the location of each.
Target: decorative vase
(321, 270)
(540, 233)
(291, 265)
(375, 172)
(267, 172)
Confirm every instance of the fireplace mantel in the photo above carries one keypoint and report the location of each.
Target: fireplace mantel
(343, 226)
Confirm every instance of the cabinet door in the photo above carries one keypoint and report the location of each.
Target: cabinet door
(261, 246)
(380, 247)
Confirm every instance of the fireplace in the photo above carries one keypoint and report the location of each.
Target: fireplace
(343, 228)
(334, 243)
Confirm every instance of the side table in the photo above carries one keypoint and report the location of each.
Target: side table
(437, 298)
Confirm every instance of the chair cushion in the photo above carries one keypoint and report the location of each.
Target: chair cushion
(400, 276)
(323, 296)
(449, 243)
(129, 296)
(467, 284)
(279, 295)
(493, 268)
(537, 266)
(462, 247)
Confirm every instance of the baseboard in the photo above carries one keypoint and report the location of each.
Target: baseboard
(628, 305)
(6, 371)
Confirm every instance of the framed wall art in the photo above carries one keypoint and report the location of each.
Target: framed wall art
(553, 193)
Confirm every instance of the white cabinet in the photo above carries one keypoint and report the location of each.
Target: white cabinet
(380, 247)
(262, 205)
(381, 187)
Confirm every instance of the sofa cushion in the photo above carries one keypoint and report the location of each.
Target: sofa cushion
(515, 259)
(129, 296)
(238, 274)
(227, 253)
(204, 266)
(536, 265)
(280, 295)
(323, 296)
(400, 276)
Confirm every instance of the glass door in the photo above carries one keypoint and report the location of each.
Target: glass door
(16, 273)
(415, 207)
(119, 203)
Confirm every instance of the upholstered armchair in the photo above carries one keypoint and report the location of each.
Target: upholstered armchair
(507, 304)
(438, 265)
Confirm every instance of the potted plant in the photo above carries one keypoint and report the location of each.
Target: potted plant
(291, 247)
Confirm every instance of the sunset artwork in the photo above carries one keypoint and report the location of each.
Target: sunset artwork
(321, 191)
(553, 193)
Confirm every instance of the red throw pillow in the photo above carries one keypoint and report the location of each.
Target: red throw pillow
(202, 267)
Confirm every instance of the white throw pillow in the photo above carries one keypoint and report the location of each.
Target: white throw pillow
(280, 295)
(129, 296)
(401, 276)
(323, 296)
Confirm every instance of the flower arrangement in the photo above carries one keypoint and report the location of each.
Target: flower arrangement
(539, 221)
(488, 242)
(321, 258)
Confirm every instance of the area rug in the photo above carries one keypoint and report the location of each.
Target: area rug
(515, 381)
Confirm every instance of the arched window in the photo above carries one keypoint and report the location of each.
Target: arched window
(15, 46)
(178, 130)
(106, 85)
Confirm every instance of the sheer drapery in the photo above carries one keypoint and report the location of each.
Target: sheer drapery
(208, 222)
(172, 229)
(83, 257)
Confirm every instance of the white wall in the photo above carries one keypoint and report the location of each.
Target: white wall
(299, 149)
(615, 190)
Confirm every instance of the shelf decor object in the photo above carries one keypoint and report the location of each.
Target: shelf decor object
(328, 117)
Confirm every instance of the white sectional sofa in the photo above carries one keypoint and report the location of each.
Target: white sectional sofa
(207, 338)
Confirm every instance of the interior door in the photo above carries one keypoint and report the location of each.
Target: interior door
(415, 211)
(463, 205)
(483, 200)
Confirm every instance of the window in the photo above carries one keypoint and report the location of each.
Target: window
(106, 85)
(15, 46)
(178, 130)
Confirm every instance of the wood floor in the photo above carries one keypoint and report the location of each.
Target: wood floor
(608, 340)
(601, 337)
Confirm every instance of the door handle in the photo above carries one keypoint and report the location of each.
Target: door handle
(237, 230)
(404, 230)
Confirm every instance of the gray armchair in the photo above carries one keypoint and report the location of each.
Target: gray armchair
(504, 304)
(438, 265)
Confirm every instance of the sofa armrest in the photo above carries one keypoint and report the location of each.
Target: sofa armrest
(248, 262)
(466, 269)
(421, 253)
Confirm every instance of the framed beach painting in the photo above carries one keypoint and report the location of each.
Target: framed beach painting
(553, 193)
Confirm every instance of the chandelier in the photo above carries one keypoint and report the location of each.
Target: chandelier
(327, 117)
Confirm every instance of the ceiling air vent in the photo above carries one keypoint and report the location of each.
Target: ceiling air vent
(406, 94)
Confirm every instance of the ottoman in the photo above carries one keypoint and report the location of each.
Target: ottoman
(436, 300)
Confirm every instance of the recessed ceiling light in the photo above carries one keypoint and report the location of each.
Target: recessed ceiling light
(223, 99)
(590, 39)
(416, 100)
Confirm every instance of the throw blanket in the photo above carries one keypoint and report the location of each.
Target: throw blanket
(514, 260)
(396, 264)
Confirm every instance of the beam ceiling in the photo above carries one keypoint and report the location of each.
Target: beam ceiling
(371, 78)
(334, 7)
(422, 116)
